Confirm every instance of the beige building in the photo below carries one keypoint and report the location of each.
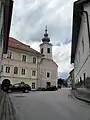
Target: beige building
(22, 63)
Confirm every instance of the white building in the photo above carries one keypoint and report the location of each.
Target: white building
(80, 54)
(22, 63)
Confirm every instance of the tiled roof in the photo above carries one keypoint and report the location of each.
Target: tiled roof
(13, 43)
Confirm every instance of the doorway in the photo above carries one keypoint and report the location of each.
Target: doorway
(48, 84)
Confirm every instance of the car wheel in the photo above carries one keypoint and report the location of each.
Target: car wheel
(9, 91)
(26, 91)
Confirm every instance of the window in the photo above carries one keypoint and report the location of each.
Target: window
(15, 70)
(34, 59)
(48, 50)
(79, 56)
(84, 77)
(7, 69)
(2, 68)
(48, 84)
(83, 45)
(42, 50)
(23, 72)
(24, 58)
(33, 85)
(33, 73)
(48, 74)
(9, 54)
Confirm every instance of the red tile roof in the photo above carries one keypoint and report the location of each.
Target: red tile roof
(13, 43)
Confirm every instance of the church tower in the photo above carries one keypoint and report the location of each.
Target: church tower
(46, 46)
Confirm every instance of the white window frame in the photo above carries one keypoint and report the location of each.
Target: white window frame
(7, 72)
(22, 57)
(14, 71)
(49, 73)
(49, 50)
(35, 73)
(8, 54)
(36, 60)
(35, 85)
(21, 71)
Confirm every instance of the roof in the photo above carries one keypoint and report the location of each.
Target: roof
(13, 43)
(49, 60)
(77, 6)
(8, 7)
(71, 71)
(46, 43)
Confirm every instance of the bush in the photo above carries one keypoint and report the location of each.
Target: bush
(40, 89)
(52, 88)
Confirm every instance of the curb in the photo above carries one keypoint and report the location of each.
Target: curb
(7, 111)
(13, 108)
(79, 98)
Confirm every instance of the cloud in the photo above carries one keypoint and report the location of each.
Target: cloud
(31, 16)
(62, 75)
(29, 20)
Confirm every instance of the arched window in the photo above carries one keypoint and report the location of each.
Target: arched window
(15, 70)
(83, 45)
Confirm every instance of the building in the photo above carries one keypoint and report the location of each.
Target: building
(71, 76)
(80, 52)
(24, 64)
(6, 7)
(69, 81)
(48, 68)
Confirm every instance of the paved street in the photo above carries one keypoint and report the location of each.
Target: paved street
(57, 105)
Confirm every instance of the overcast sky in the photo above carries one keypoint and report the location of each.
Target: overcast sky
(29, 20)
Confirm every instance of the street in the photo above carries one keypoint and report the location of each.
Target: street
(57, 105)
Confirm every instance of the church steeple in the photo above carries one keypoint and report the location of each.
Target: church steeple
(46, 38)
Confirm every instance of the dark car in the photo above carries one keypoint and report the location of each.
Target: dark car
(20, 87)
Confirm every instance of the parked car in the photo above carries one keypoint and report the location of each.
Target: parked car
(20, 87)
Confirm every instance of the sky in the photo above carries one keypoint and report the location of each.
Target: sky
(28, 24)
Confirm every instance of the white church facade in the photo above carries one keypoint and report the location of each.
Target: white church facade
(24, 64)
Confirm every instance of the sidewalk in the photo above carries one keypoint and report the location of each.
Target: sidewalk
(1, 95)
(82, 94)
(7, 111)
